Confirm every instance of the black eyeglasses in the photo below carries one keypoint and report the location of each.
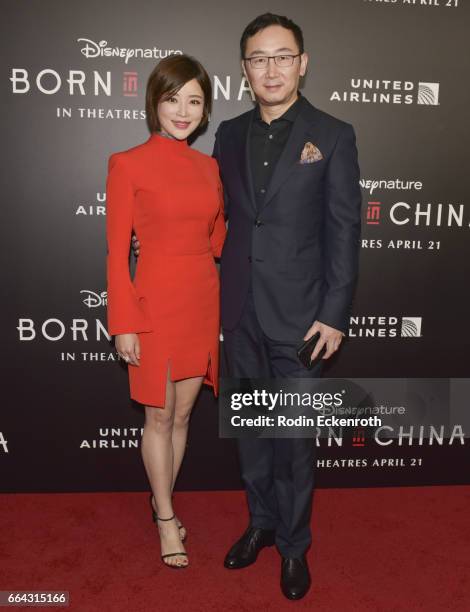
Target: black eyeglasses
(261, 61)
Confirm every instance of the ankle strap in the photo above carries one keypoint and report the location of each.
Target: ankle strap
(166, 519)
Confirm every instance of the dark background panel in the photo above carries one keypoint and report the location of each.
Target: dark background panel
(54, 169)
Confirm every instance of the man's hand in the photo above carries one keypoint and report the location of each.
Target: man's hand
(128, 347)
(329, 336)
(135, 245)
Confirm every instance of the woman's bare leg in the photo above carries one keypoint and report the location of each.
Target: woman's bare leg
(158, 458)
(186, 393)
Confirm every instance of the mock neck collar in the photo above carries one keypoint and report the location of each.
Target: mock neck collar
(166, 139)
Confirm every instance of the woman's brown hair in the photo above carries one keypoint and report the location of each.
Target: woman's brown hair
(167, 78)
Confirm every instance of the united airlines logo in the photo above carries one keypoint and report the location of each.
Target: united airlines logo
(411, 327)
(387, 91)
(108, 438)
(385, 326)
(93, 300)
(3, 443)
(428, 93)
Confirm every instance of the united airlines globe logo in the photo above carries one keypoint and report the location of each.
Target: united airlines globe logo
(428, 93)
(411, 327)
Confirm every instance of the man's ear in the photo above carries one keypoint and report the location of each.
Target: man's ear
(303, 63)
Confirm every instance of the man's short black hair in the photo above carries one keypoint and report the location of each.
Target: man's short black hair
(269, 19)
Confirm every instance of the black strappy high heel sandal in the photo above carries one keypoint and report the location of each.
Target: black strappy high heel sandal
(175, 554)
(183, 536)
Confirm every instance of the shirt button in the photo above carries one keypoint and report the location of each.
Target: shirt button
(270, 136)
(265, 163)
(262, 190)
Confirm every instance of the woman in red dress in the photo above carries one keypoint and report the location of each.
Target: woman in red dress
(166, 319)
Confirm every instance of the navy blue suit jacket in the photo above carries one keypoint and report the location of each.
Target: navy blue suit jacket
(302, 246)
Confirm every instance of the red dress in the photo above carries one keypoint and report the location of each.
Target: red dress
(172, 196)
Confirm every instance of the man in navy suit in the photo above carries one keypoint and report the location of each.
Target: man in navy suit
(288, 269)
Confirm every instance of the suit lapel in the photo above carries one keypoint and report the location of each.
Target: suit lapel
(242, 158)
(300, 133)
(245, 162)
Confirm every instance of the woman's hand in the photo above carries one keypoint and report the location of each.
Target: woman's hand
(135, 245)
(128, 347)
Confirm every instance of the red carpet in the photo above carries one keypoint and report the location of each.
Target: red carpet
(373, 549)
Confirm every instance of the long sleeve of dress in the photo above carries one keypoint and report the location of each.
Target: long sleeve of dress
(219, 230)
(126, 312)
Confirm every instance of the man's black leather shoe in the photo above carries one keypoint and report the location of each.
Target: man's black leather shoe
(295, 577)
(245, 551)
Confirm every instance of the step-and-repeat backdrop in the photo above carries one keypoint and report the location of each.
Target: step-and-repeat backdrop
(74, 77)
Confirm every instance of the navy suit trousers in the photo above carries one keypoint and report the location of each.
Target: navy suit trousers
(278, 473)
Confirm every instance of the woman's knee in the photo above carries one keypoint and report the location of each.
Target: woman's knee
(182, 413)
(159, 420)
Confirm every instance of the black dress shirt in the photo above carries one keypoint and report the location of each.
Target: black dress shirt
(267, 142)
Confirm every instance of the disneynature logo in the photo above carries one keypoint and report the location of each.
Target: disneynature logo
(91, 50)
(396, 184)
(93, 299)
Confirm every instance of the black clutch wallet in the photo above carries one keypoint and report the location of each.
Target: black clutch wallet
(305, 350)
